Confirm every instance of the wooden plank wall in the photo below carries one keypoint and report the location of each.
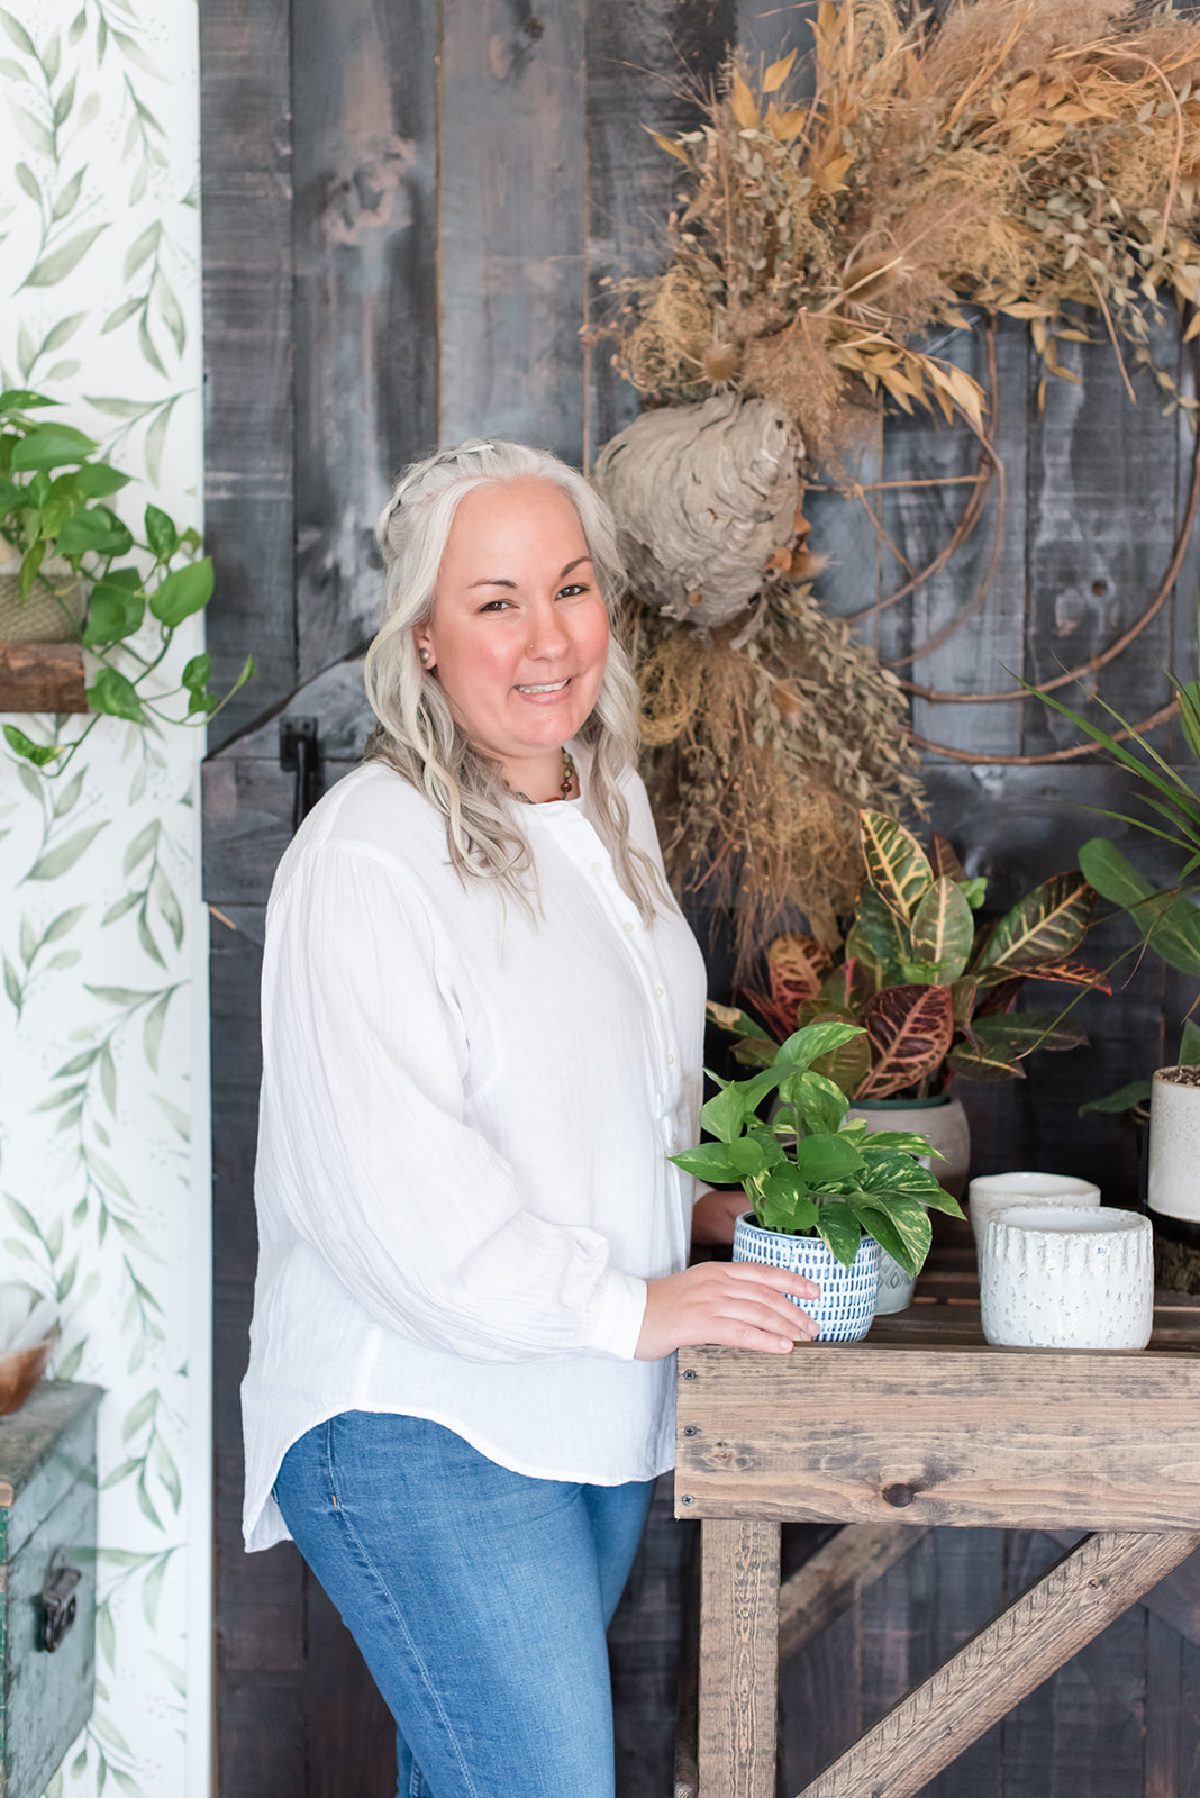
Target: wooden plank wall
(410, 215)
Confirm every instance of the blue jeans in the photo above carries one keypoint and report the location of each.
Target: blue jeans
(479, 1598)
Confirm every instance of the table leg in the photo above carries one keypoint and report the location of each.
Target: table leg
(991, 1673)
(739, 1657)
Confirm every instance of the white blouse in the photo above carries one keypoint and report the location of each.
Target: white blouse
(462, 1181)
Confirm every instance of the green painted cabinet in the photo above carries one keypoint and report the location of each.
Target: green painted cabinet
(47, 1536)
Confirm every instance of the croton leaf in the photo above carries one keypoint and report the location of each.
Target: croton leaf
(795, 965)
(911, 1029)
(1071, 973)
(943, 858)
(880, 937)
(897, 867)
(1044, 926)
(848, 986)
(943, 930)
(962, 992)
(1025, 1031)
(996, 1061)
(839, 1230)
(729, 1017)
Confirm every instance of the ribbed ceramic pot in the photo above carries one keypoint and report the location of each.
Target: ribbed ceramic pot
(1072, 1277)
(1173, 1181)
(942, 1119)
(844, 1311)
(993, 1193)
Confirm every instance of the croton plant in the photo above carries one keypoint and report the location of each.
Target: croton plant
(933, 984)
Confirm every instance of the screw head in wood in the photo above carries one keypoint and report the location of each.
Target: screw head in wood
(689, 1373)
(689, 1429)
(898, 1495)
(687, 1499)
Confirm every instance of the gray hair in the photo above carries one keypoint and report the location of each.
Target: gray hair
(417, 735)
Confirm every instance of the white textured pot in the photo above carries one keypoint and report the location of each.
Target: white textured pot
(1071, 1277)
(993, 1193)
(941, 1119)
(1173, 1184)
(844, 1311)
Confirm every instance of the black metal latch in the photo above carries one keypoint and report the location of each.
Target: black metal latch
(58, 1601)
(300, 754)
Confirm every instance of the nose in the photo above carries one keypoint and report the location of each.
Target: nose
(549, 639)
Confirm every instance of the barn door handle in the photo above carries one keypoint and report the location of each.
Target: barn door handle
(58, 1601)
(300, 754)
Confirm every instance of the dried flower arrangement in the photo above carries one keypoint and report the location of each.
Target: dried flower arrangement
(1028, 157)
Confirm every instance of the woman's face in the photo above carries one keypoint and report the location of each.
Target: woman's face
(519, 633)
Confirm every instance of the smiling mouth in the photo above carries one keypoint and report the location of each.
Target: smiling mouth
(546, 687)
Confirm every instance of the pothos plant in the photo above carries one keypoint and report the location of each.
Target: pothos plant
(933, 984)
(137, 592)
(810, 1171)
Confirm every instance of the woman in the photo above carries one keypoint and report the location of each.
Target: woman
(482, 1018)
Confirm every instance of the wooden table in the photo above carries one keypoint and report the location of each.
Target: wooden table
(924, 1425)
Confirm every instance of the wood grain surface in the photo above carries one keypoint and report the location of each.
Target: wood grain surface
(1090, 1586)
(42, 677)
(739, 1658)
(1019, 1438)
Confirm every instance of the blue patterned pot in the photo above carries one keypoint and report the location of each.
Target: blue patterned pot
(846, 1306)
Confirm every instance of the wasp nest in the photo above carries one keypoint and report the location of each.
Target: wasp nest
(705, 501)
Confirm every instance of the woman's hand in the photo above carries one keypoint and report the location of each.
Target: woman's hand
(736, 1304)
(715, 1213)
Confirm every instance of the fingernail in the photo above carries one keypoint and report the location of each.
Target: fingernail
(785, 1343)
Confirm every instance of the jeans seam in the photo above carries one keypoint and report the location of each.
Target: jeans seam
(368, 1560)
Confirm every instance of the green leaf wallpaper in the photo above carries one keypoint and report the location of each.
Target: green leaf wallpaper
(103, 1060)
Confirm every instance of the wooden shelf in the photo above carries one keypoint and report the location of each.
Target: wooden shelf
(42, 677)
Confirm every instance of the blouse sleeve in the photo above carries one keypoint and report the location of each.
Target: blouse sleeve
(365, 1058)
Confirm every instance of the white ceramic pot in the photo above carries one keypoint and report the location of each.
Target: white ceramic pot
(1070, 1277)
(993, 1193)
(844, 1311)
(1173, 1182)
(941, 1119)
(895, 1286)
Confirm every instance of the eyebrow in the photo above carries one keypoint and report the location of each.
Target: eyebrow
(488, 582)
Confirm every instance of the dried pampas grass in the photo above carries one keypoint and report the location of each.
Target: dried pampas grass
(758, 757)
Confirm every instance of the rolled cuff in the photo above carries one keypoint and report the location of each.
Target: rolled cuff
(620, 1309)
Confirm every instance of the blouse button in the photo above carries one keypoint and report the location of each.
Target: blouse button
(628, 928)
(659, 993)
(597, 867)
(670, 1057)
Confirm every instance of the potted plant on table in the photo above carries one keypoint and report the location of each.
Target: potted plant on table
(934, 987)
(827, 1195)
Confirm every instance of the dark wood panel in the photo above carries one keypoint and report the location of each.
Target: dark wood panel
(648, 62)
(245, 126)
(513, 222)
(1102, 506)
(365, 317)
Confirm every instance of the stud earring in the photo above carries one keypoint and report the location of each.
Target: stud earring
(423, 654)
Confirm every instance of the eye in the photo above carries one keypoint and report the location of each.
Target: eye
(573, 589)
(496, 605)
